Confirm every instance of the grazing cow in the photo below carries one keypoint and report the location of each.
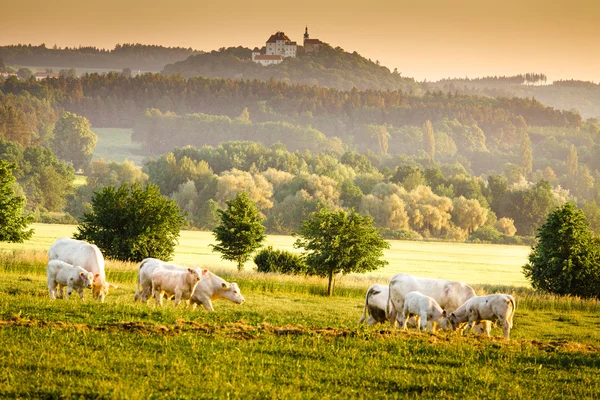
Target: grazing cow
(79, 252)
(143, 289)
(424, 308)
(61, 275)
(180, 284)
(213, 287)
(448, 294)
(493, 307)
(376, 302)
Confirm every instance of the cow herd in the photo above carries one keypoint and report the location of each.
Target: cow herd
(408, 300)
(76, 264)
(424, 302)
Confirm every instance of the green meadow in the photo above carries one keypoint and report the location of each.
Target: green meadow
(288, 340)
(114, 144)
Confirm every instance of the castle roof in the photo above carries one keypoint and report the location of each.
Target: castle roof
(278, 36)
(312, 41)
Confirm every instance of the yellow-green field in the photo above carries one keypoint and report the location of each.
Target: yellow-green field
(473, 263)
(114, 144)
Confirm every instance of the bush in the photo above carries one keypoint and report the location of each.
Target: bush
(486, 234)
(281, 261)
(399, 234)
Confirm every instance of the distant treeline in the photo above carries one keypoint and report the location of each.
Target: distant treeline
(520, 79)
(128, 55)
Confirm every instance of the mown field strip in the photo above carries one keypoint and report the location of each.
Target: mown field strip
(473, 263)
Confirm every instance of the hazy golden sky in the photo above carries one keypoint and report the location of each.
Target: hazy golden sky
(426, 39)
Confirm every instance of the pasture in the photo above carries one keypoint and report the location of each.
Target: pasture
(287, 340)
(114, 144)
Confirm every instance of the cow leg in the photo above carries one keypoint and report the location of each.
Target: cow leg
(505, 327)
(69, 291)
(423, 323)
(177, 297)
(157, 296)
(208, 305)
(51, 288)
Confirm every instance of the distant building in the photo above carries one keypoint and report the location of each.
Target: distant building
(280, 44)
(311, 45)
(266, 59)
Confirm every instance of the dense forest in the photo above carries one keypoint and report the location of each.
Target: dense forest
(128, 55)
(434, 164)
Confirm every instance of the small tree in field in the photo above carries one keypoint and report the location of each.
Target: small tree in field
(240, 232)
(566, 258)
(74, 140)
(340, 242)
(12, 223)
(131, 224)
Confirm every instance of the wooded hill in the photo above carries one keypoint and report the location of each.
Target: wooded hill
(331, 67)
(135, 56)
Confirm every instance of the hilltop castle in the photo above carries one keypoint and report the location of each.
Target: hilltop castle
(279, 46)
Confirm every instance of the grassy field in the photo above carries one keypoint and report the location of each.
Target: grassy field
(114, 144)
(284, 342)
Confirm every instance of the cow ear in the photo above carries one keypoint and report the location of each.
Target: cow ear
(190, 270)
(224, 285)
(96, 276)
(444, 313)
(204, 271)
(82, 275)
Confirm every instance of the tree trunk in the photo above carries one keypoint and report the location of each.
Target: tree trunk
(330, 284)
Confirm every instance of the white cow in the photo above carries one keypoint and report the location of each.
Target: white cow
(180, 284)
(424, 308)
(143, 289)
(213, 287)
(493, 307)
(61, 275)
(376, 302)
(448, 294)
(86, 255)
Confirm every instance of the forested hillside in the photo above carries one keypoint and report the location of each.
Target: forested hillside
(127, 55)
(433, 165)
(331, 67)
(563, 94)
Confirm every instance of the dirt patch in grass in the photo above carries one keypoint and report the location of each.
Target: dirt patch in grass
(563, 346)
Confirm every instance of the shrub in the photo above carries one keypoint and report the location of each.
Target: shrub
(282, 261)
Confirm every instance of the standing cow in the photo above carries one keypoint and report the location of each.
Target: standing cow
(211, 287)
(61, 275)
(448, 294)
(493, 307)
(376, 302)
(86, 255)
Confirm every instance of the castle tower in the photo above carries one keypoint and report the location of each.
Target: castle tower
(306, 33)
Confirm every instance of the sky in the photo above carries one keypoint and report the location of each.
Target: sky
(424, 39)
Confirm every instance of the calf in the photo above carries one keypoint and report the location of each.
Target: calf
(179, 283)
(61, 274)
(425, 308)
(493, 307)
(143, 289)
(213, 287)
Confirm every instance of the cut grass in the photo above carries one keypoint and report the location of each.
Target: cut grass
(473, 263)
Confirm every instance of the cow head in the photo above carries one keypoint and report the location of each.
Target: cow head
(100, 287)
(195, 275)
(454, 323)
(231, 292)
(87, 278)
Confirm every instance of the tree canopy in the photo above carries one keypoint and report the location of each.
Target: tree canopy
(132, 223)
(566, 258)
(340, 242)
(240, 232)
(13, 225)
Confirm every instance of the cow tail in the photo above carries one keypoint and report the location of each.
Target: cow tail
(365, 310)
(514, 306)
(139, 284)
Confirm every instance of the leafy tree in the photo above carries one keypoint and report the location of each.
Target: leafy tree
(340, 242)
(12, 222)
(24, 73)
(131, 223)
(572, 163)
(526, 155)
(566, 259)
(240, 232)
(74, 140)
